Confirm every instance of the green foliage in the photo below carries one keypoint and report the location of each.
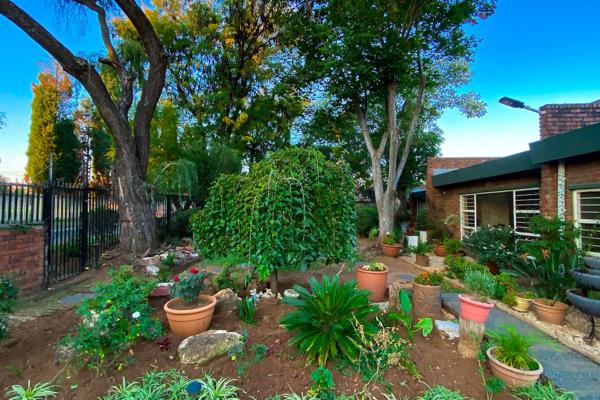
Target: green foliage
(247, 309)
(422, 220)
(180, 223)
(541, 391)
(480, 283)
(325, 317)
(452, 245)
(292, 209)
(494, 385)
(430, 279)
(425, 325)
(373, 233)
(513, 348)
(496, 244)
(188, 285)
(421, 248)
(322, 387)
(556, 236)
(391, 238)
(505, 288)
(234, 274)
(8, 295)
(366, 219)
(458, 266)
(115, 318)
(375, 266)
(441, 393)
(39, 391)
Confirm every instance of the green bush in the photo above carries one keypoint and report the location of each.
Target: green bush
(555, 236)
(292, 209)
(325, 318)
(115, 318)
(366, 219)
(495, 244)
(422, 220)
(459, 266)
(452, 245)
(481, 283)
(8, 295)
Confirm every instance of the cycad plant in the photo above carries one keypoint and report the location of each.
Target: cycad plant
(325, 319)
(513, 348)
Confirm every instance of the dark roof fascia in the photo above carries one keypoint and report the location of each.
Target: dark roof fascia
(514, 163)
(574, 143)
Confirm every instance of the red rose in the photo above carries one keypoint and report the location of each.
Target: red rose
(194, 271)
(176, 278)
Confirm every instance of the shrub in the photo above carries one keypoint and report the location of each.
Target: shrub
(39, 391)
(325, 317)
(430, 279)
(505, 288)
(495, 244)
(8, 295)
(115, 318)
(422, 220)
(291, 209)
(247, 309)
(513, 348)
(452, 245)
(180, 223)
(366, 219)
(188, 285)
(459, 266)
(481, 284)
(556, 236)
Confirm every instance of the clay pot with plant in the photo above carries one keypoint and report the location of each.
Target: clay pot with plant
(476, 306)
(374, 278)
(189, 312)
(523, 301)
(390, 245)
(420, 251)
(438, 248)
(427, 294)
(510, 356)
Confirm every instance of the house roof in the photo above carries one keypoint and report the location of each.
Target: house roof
(577, 142)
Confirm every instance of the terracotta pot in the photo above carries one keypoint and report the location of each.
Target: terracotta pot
(422, 260)
(548, 312)
(440, 250)
(513, 376)
(522, 304)
(427, 300)
(161, 290)
(186, 323)
(473, 310)
(493, 267)
(390, 250)
(373, 281)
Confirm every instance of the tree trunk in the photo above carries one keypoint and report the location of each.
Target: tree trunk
(274, 280)
(470, 337)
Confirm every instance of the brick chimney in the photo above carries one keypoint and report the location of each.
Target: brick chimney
(560, 118)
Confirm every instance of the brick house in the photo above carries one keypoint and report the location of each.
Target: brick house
(558, 175)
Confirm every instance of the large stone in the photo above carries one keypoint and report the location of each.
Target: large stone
(203, 347)
(147, 261)
(226, 300)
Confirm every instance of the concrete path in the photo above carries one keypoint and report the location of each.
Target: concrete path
(568, 369)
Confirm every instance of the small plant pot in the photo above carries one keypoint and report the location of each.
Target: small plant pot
(522, 304)
(186, 323)
(493, 267)
(422, 260)
(473, 310)
(390, 250)
(373, 281)
(552, 312)
(513, 376)
(440, 250)
(161, 290)
(427, 300)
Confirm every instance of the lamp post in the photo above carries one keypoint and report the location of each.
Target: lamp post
(508, 101)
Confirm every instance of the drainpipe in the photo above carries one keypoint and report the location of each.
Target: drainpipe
(560, 190)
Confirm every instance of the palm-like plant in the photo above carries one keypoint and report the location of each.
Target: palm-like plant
(39, 391)
(513, 348)
(328, 318)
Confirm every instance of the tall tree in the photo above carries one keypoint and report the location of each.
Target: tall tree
(132, 139)
(51, 133)
(383, 56)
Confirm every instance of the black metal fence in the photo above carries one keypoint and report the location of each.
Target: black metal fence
(81, 222)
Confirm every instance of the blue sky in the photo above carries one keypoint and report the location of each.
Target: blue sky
(536, 51)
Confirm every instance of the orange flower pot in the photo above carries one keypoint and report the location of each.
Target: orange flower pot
(440, 250)
(390, 250)
(473, 310)
(548, 312)
(513, 376)
(186, 323)
(373, 281)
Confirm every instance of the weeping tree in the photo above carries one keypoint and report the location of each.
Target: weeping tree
(129, 125)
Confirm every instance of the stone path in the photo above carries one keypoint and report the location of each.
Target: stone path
(568, 369)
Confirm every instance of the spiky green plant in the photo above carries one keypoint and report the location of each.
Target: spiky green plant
(513, 347)
(218, 389)
(540, 391)
(325, 317)
(39, 391)
(246, 308)
(441, 393)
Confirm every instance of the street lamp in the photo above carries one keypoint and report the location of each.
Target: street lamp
(507, 101)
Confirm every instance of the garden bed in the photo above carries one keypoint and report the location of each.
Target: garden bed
(30, 355)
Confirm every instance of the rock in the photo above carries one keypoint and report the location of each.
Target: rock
(203, 347)
(383, 306)
(448, 329)
(226, 300)
(147, 261)
(152, 270)
(290, 293)
(64, 353)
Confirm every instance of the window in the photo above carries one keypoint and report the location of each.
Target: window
(587, 218)
(468, 214)
(526, 205)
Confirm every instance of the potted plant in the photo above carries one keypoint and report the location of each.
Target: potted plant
(523, 301)
(189, 312)
(427, 294)
(373, 277)
(438, 247)
(477, 306)
(510, 356)
(390, 245)
(421, 250)
(451, 246)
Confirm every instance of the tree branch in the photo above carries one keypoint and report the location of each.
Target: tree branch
(362, 121)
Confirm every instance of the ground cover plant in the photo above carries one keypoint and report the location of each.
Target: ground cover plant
(542, 391)
(8, 296)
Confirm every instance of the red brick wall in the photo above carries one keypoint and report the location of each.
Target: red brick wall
(22, 258)
(580, 170)
(560, 118)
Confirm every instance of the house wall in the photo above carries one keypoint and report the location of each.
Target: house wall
(22, 258)
(580, 171)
